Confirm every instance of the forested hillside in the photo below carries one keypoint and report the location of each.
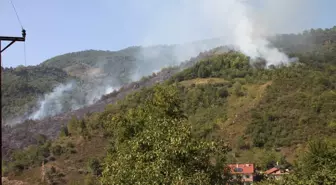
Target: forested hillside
(221, 110)
(22, 86)
(93, 72)
(315, 40)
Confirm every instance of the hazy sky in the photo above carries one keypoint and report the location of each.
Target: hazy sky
(62, 26)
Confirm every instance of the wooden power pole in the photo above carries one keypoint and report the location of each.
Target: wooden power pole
(12, 40)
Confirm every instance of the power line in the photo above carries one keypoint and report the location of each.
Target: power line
(24, 44)
(17, 15)
(23, 32)
(24, 52)
(25, 60)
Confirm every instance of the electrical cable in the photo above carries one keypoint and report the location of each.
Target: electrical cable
(17, 15)
(24, 52)
(23, 31)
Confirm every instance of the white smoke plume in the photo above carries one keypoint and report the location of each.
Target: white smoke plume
(52, 104)
(68, 97)
(244, 24)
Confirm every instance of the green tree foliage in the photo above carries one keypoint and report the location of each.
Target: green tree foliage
(222, 92)
(94, 166)
(32, 156)
(237, 89)
(64, 132)
(316, 166)
(241, 144)
(82, 129)
(230, 65)
(57, 150)
(73, 125)
(300, 98)
(154, 144)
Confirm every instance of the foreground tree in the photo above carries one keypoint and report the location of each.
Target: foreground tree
(153, 144)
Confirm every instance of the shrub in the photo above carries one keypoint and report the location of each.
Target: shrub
(241, 143)
(73, 125)
(237, 89)
(94, 166)
(53, 176)
(222, 92)
(30, 157)
(57, 150)
(64, 132)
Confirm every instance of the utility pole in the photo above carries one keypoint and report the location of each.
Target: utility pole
(12, 39)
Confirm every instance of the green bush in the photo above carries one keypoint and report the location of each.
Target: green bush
(237, 89)
(57, 150)
(315, 166)
(64, 132)
(73, 125)
(241, 144)
(222, 92)
(94, 167)
(30, 157)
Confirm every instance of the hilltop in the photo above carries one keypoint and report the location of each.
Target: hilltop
(262, 115)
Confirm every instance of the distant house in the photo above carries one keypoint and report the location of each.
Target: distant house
(244, 171)
(276, 173)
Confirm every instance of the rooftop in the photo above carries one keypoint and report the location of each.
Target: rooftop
(272, 170)
(241, 168)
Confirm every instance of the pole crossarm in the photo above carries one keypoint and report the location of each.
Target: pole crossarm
(4, 38)
(13, 39)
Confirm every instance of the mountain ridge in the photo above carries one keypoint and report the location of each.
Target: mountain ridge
(88, 68)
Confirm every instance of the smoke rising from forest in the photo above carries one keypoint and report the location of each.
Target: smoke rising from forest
(68, 97)
(244, 24)
(113, 73)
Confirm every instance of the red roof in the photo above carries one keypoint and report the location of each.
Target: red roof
(272, 170)
(241, 168)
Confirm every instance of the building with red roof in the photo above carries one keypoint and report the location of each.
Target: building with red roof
(245, 171)
(276, 173)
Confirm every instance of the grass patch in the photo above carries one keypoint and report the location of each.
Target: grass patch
(202, 81)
